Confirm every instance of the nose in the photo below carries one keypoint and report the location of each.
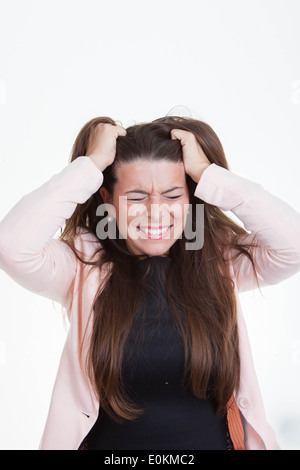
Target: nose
(158, 213)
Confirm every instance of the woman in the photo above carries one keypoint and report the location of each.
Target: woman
(157, 354)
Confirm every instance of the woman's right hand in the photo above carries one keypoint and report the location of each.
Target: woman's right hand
(102, 144)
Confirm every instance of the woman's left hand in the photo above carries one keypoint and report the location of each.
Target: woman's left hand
(194, 159)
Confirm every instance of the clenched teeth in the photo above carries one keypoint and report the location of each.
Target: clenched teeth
(154, 231)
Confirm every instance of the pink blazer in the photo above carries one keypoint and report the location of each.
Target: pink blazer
(34, 258)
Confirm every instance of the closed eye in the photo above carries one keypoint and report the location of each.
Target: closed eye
(136, 199)
(142, 199)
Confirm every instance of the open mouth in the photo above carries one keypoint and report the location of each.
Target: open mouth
(156, 233)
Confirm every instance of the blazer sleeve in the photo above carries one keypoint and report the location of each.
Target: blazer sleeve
(28, 252)
(271, 223)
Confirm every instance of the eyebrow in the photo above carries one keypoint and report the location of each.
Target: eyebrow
(140, 191)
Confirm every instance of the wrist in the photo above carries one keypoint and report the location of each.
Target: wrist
(99, 164)
(196, 173)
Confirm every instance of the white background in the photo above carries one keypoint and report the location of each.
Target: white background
(234, 64)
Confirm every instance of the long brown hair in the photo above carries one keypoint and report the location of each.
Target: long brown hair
(198, 281)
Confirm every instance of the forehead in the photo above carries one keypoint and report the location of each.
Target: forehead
(150, 175)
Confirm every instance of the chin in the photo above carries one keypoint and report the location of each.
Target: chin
(152, 248)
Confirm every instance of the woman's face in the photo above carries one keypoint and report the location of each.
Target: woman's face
(151, 201)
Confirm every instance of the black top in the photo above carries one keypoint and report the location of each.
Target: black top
(173, 418)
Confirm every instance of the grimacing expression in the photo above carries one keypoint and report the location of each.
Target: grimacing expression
(151, 201)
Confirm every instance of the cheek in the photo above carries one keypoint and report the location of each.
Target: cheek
(179, 215)
(128, 217)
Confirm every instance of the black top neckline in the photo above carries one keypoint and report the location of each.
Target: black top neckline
(155, 258)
